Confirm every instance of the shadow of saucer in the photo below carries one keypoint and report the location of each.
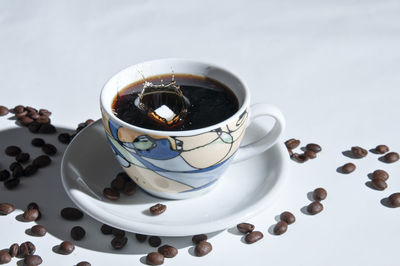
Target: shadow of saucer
(46, 189)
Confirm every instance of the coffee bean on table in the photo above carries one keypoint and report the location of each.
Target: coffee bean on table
(129, 188)
(198, 238)
(25, 120)
(4, 175)
(118, 232)
(348, 168)
(379, 183)
(71, 214)
(44, 112)
(280, 228)
(15, 165)
(46, 128)
(38, 230)
(78, 233)
(381, 149)
(380, 174)
(168, 251)
(30, 215)
(319, 194)
(111, 193)
(49, 149)
(22, 157)
(17, 172)
(32, 205)
(5, 257)
(11, 183)
(118, 183)
(300, 158)
(287, 217)
(64, 138)
(32, 260)
(154, 241)
(106, 229)
(391, 157)
(394, 200)
(18, 109)
(158, 209)
(292, 143)
(34, 127)
(6, 208)
(310, 154)
(41, 161)
(12, 150)
(21, 115)
(119, 242)
(13, 250)
(83, 263)
(141, 238)
(253, 237)
(154, 258)
(313, 147)
(359, 152)
(30, 170)
(66, 248)
(202, 248)
(26, 248)
(37, 142)
(245, 228)
(3, 110)
(43, 119)
(314, 207)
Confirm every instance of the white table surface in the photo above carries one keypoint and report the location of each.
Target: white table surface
(331, 66)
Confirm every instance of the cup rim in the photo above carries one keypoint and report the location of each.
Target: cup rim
(177, 133)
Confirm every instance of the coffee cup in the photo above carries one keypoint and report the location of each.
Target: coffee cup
(187, 163)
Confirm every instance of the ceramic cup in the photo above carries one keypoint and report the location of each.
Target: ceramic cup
(183, 164)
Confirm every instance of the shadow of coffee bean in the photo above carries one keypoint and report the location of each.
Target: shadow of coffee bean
(234, 231)
(373, 151)
(385, 202)
(191, 251)
(271, 229)
(304, 210)
(340, 170)
(310, 196)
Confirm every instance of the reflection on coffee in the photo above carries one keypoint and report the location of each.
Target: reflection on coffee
(157, 102)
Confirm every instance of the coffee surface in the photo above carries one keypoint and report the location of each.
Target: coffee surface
(208, 102)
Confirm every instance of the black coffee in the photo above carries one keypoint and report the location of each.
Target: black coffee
(207, 102)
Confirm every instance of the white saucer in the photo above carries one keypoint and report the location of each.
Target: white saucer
(89, 165)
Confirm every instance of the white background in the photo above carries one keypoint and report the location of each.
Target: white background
(331, 66)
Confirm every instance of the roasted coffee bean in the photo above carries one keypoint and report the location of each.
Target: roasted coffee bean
(14, 165)
(12, 150)
(310, 154)
(6, 208)
(3, 110)
(168, 251)
(5, 257)
(280, 228)
(11, 183)
(158, 209)
(381, 149)
(154, 241)
(77, 233)
(380, 174)
(89, 121)
(18, 109)
(118, 183)
(300, 158)
(292, 143)
(83, 263)
(314, 207)
(379, 183)
(4, 175)
(30, 170)
(129, 188)
(30, 109)
(41, 161)
(119, 242)
(43, 119)
(44, 112)
(394, 200)
(111, 193)
(66, 247)
(118, 232)
(49, 149)
(202, 248)
(348, 168)
(22, 157)
(287, 217)
(30, 215)
(319, 194)
(13, 250)
(37, 142)
(106, 229)
(253, 237)
(34, 127)
(38, 230)
(21, 115)
(245, 228)
(198, 238)
(71, 214)
(64, 138)
(33, 115)
(154, 258)
(32, 205)
(25, 120)
(313, 147)
(46, 128)
(358, 152)
(32, 260)
(141, 238)
(17, 172)
(391, 157)
(124, 176)
(26, 248)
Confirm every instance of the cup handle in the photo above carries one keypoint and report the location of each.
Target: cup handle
(266, 142)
